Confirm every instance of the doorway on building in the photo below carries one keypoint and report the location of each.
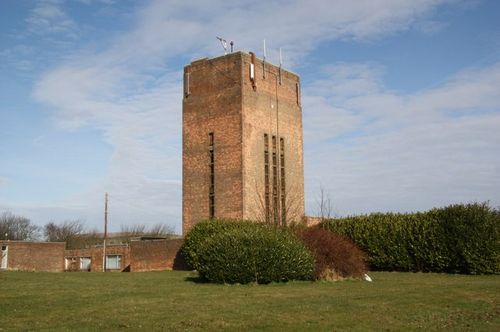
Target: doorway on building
(4, 257)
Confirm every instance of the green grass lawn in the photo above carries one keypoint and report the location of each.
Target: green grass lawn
(172, 301)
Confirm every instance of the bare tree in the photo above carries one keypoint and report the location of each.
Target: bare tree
(64, 231)
(136, 230)
(324, 204)
(293, 211)
(288, 212)
(158, 230)
(91, 237)
(72, 232)
(14, 227)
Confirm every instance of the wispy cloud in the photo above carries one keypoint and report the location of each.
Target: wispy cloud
(144, 131)
(118, 90)
(297, 26)
(16, 57)
(48, 17)
(424, 149)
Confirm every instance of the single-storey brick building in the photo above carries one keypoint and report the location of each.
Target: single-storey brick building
(145, 254)
(32, 256)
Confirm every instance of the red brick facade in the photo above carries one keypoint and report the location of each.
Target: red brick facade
(33, 256)
(118, 254)
(140, 255)
(155, 255)
(238, 99)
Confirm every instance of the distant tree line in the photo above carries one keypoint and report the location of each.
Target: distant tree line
(14, 227)
(73, 232)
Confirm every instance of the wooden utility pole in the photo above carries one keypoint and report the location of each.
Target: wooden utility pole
(105, 232)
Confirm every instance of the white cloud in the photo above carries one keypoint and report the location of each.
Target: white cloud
(380, 150)
(169, 28)
(48, 17)
(119, 91)
(16, 57)
(144, 130)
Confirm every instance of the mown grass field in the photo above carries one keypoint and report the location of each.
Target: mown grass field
(173, 301)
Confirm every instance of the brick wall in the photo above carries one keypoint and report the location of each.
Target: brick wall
(271, 106)
(143, 255)
(212, 106)
(155, 255)
(73, 257)
(35, 256)
(222, 99)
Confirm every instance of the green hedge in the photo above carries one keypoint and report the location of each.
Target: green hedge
(243, 252)
(462, 238)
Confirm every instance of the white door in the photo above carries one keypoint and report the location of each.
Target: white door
(5, 257)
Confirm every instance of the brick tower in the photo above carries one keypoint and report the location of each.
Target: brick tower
(242, 141)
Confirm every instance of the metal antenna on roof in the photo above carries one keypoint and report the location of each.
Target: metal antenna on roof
(223, 42)
(281, 63)
(264, 61)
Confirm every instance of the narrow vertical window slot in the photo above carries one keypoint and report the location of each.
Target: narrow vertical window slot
(211, 190)
(275, 183)
(267, 205)
(252, 70)
(297, 92)
(187, 92)
(283, 183)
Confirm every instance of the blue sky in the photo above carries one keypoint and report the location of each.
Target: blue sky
(401, 101)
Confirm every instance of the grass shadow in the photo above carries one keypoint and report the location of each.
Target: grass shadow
(196, 279)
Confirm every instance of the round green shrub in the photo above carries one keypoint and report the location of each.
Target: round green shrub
(243, 252)
(203, 231)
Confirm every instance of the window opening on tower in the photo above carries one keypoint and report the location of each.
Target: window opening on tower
(282, 178)
(211, 164)
(275, 182)
(187, 92)
(267, 205)
(297, 93)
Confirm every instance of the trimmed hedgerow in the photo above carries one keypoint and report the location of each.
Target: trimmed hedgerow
(461, 238)
(243, 252)
(472, 237)
(335, 257)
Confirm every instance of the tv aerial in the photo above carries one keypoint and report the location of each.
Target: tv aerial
(223, 42)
